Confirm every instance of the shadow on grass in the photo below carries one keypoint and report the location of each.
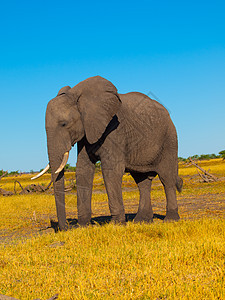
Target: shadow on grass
(102, 220)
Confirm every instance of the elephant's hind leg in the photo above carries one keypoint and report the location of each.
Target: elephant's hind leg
(145, 213)
(171, 198)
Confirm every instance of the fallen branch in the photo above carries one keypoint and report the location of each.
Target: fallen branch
(48, 186)
(15, 182)
(71, 186)
(3, 175)
(32, 188)
(6, 193)
(206, 176)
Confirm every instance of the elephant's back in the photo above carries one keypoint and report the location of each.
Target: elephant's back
(144, 111)
(142, 104)
(146, 125)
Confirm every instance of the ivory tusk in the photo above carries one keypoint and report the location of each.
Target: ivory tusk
(63, 163)
(41, 173)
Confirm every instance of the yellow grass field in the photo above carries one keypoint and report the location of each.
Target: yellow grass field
(181, 260)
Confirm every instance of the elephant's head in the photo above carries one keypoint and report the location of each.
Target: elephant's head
(85, 109)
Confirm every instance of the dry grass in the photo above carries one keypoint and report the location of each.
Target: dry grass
(183, 260)
(160, 261)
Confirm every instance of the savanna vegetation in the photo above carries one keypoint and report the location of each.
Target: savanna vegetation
(204, 156)
(183, 260)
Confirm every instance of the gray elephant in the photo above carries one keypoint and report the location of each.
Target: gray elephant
(126, 132)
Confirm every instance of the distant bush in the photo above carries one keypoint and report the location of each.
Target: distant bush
(14, 173)
(222, 154)
(181, 159)
(204, 156)
(69, 168)
(195, 157)
(208, 156)
(9, 173)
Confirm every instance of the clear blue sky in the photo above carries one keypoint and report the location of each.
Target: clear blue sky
(174, 49)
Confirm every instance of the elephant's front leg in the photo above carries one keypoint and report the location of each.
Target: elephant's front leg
(84, 178)
(113, 182)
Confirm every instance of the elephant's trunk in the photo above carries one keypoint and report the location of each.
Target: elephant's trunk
(58, 183)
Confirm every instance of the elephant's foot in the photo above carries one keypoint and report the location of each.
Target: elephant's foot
(59, 226)
(84, 220)
(143, 217)
(172, 216)
(119, 219)
(64, 227)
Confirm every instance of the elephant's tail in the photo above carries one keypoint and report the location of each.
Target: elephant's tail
(179, 184)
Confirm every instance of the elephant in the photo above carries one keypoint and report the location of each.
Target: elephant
(126, 132)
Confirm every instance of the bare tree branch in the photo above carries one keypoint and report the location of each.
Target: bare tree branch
(206, 176)
(3, 175)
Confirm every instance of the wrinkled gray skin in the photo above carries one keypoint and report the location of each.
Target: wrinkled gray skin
(128, 132)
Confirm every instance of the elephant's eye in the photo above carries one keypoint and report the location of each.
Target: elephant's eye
(63, 124)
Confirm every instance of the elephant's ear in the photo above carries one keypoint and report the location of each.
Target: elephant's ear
(97, 104)
(63, 90)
